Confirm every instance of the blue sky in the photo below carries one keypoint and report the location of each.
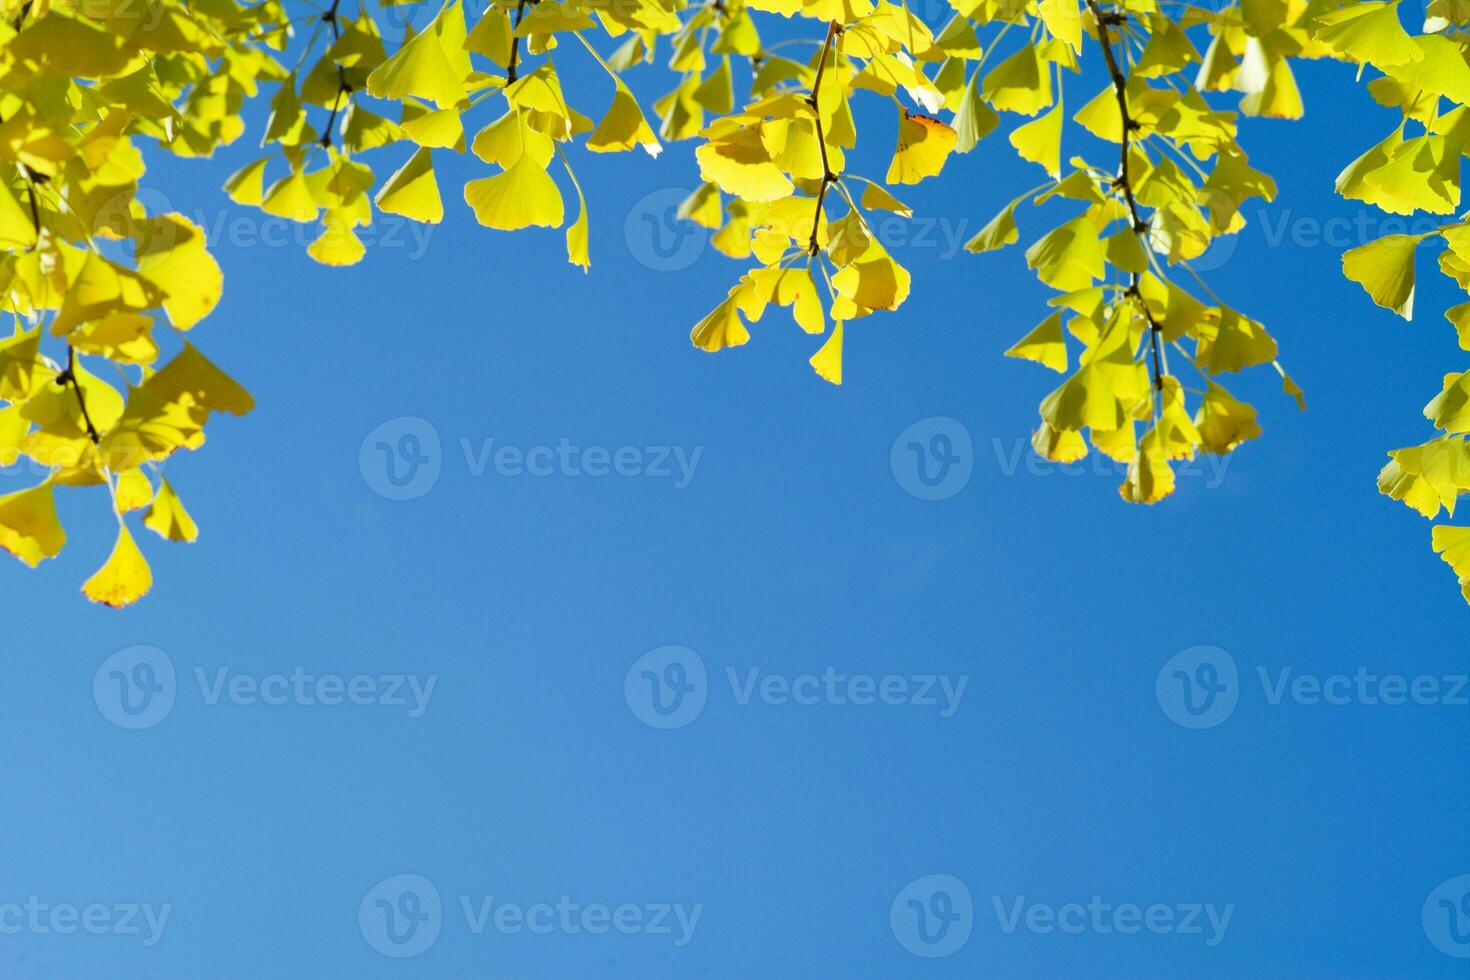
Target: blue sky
(1019, 641)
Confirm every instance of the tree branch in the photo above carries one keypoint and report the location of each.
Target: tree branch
(515, 45)
(342, 87)
(69, 376)
(827, 175)
(1124, 181)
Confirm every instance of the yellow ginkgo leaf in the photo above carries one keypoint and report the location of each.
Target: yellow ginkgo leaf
(1044, 345)
(923, 145)
(827, 361)
(1367, 32)
(1429, 476)
(1459, 316)
(29, 529)
(1021, 83)
(290, 197)
(623, 127)
(440, 129)
(1069, 257)
(173, 256)
(412, 191)
(101, 288)
(717, 92)
(1064, 19)
(124, 578)
(741, 165)
(425, 66)
(1058, 445)
(503, 142)
(1040, 141)
(703, 207)
(338, 244)
(1222, 421)
(577, 249)
(247, 185)
(1453, 545)
(974, 119)
(133, 492)
(998, 232)
(16, 229)
(1232, 342)
(21, 367)
(167, 517)
(523, 196)
(873, 281)
(1450, 409)
(123, 337)
(1385, 268)
(721, 328)
(876, 198)
(1150, 477)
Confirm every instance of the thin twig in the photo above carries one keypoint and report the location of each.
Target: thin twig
(342, 87)
(515, 45)
(828, 176)
(69, 376)
(1123, 181)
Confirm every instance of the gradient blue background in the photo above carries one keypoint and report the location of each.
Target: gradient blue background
(793, 549)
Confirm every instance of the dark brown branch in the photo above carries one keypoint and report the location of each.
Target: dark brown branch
(1123, 181)
(828, 177)
(515, 45)
(343, 88)
(35, 205)
(69, 376)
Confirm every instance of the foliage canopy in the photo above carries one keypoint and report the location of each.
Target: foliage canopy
(1144, 346)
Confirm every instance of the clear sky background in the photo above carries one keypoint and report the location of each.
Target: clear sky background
(796, 829)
